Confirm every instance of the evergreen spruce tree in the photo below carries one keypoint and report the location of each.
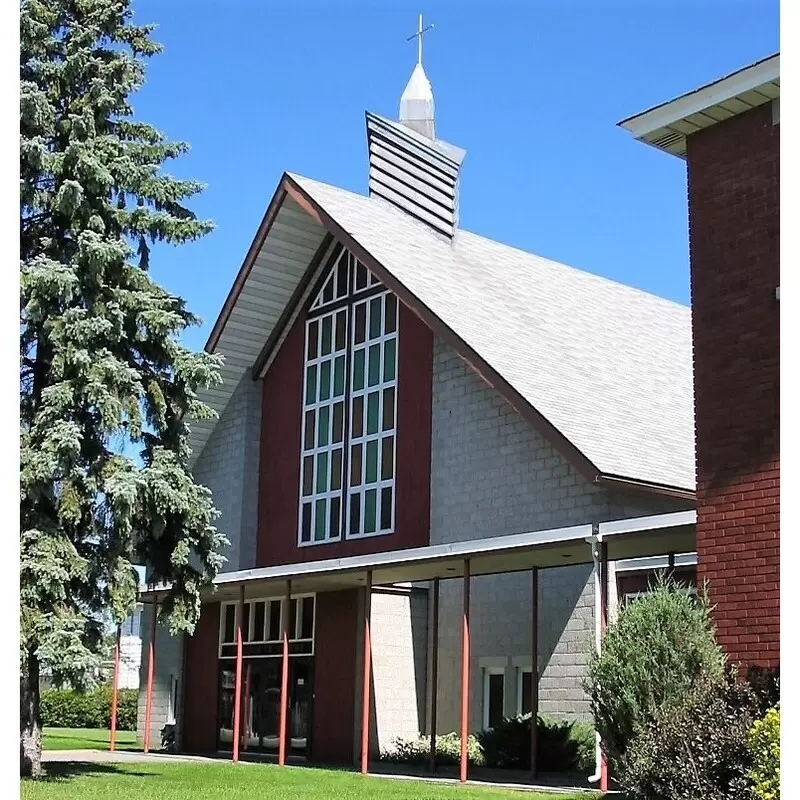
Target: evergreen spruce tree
(101, 367)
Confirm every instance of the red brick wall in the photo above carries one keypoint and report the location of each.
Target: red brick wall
(202, 684)
(734, 231)
(279, 478)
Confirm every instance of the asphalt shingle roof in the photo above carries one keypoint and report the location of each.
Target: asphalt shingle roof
(608, 365)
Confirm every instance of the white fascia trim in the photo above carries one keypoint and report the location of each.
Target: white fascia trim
(674, 520)
(655, 562)
(705, 97)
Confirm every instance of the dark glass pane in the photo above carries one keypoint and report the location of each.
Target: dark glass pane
(322, 473)
(358, 370)
(341, 330)
(307, 618)
(325, 380)
(341, 277)
(293, 619)
(327, 292)
(311, 385)
(370, 497)
(391, 314)
(258, 622)
(308, 475)
(372, 412)
(387, 458)
(374, 364)
(313, 336)
(319, 521)
(338, 422)
(371, 471)
(355, 465)
(389, 360)
(526, 693)
(229, 633)
(305, 533)
(358, 416)
(355, 513)
(361, 323)
(308, 439)
(274, 620)
(361, 276)
(495, 700)
(386, 508)
(388, 409)
(334, 523)
(327, 333)
(322, 429)
(336, 470)
(246, 623)
(375, 317)
(338, 376)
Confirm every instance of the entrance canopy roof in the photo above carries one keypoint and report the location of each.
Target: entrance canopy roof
(627, 538)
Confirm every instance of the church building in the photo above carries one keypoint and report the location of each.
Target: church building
(440, 461)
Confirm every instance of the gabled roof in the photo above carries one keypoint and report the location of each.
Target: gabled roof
(601, 368)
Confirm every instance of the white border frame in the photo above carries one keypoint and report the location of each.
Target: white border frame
(487, 673)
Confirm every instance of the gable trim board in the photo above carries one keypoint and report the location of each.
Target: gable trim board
(291, 187)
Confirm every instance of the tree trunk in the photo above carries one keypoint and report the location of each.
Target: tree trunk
(30, 721)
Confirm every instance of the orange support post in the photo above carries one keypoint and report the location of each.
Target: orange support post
(465, 676)
(534, 669)
(237, 692)
(284, 676)
(115, 693)
(366, 675)
(148, 708)
(603, 548)
(434, 671)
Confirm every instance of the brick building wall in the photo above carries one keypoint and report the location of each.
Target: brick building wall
(492, 474)
(734, 231)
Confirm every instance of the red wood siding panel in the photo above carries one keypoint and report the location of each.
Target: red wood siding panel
(734, 226)
(335, 663)
(280, 451)
(202, 684)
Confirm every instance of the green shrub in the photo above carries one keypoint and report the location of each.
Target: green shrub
(694, 749)
(562, 746)
(448, 750)
(651, 658)
(67, 708)
(764, 742)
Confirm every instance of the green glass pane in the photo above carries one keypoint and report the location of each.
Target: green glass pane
(334, 528)
(322, 472)
(388, 409)
(341, 328)
(325, 380)
(308, 475)
(374, 364)
(389, 359)
(338, 376)
(320, 520)
(375, 320)
(358, 370)
(372, 412)
(391, 314)
(372, 462)
(327, 335)
(309, 434)
(305, 534)
(386, 508)
(338, 423)
(370, 496)
(361, 323)
(358, 417)
(355, 513)
(336, 470)
(355, 465)
(322, 428)
(387, 457)
(311, 384)
(313, 336)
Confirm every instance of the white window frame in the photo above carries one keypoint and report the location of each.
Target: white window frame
(172, 701)
(487, 672)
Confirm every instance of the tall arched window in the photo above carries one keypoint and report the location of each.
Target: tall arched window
(347, 461)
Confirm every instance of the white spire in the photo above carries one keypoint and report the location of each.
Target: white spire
(416, 102)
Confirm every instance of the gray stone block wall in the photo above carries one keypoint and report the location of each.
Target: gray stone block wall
(167, 669)
(228, 465)
(493, 474)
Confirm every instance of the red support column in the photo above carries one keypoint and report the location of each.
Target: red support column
(237, 692)
(434, 671)
(603, 553)
(287, 604)
(365, 695)
(115, 693)
(465, 676)
(151, 650)
(534, 669)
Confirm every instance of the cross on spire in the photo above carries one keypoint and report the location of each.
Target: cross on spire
(418, 37)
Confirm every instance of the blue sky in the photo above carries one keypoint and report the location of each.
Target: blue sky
(532, 91)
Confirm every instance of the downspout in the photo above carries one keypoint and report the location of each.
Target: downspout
(593, 543)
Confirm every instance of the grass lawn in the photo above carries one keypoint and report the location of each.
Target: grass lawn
(86, 739)
(187, 781)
